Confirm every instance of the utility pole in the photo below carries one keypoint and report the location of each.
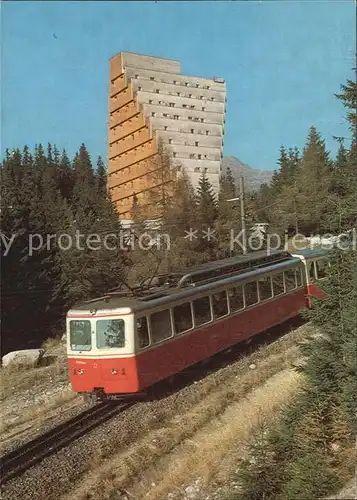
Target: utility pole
(296, 219)
(242, 213)
(295, 211)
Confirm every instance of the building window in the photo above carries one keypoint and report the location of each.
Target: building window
(192, 156)
(197, 169)
(170, 141)
(165, 115)
(207, 87)
(174, 82)
(139, 88)
(184, 105)
(190, 117)
(205, 170)
(199, 156)
(186, 84)
(160, 102)
(153, 113)
(192, 131)
(202, 120)
(150, 101)
(151, 78)
(197, 85)
(157, 91)
(174, 155)
(172, 104)
(207, 132)
(176, 117)
(189, 95)
(178, 93)
(196, 143)
(201, 96)
(212, 98)
(192, 107)
(165, 127)
(203, 109)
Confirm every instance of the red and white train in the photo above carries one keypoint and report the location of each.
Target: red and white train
(120, 345)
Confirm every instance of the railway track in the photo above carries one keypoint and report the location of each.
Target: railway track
(31, 453)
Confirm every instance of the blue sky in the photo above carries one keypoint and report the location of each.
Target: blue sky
(282, 61)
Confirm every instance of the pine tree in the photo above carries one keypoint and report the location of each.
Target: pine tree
(179, 219)
(228, 214)
(84, 192)
(101, 178)
(294, 162)
(282, 176)
(66, 177)
(45, 281)
(348, 97)
(207, 215)
(313, 182)
(207, 211)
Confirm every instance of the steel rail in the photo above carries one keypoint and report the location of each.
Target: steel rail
(29, 454)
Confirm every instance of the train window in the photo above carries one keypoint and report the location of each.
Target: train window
(110, 333)
(202, 311)
(236, 298)
(219, 304)
(251, 293)
(298, 277)
(290, 279)
(160, 323)
(80, 335)
(321, 269)
(265, 291)
(311, 271)
(278, 284)
(142, 332)
(183, 317)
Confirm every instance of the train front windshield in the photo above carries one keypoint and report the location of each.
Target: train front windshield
(101, 334)
(80, 334)
(110, 333)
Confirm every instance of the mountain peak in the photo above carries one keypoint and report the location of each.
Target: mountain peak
(253, 177)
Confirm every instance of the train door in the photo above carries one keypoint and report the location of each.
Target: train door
(316, 273)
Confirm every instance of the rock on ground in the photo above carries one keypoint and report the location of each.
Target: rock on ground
(26, 357)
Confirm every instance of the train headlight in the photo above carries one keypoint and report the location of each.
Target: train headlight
(114, 371)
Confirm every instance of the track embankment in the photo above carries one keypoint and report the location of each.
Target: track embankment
(135, 452)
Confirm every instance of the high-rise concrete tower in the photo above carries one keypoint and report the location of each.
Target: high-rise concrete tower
(150, 100)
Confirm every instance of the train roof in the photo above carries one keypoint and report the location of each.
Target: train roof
(216, 269)
(253, 265)
(310, 253)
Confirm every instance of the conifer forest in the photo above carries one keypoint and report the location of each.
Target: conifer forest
(44, 192)
(47, 197)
